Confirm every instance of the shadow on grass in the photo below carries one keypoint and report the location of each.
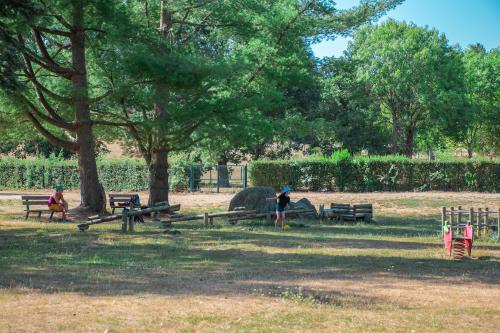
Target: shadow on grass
(104, 262)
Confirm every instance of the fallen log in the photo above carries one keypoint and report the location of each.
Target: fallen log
(94, 220)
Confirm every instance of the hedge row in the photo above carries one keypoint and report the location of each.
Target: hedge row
(358, 175)
(366, 175)
(115, 175)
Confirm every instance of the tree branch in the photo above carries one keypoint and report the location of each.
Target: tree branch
(54, 31)
(67, 145)
(56, 122)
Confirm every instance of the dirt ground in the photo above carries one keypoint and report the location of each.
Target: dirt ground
(385, 203)
(390, 277)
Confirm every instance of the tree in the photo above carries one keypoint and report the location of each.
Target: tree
(481, 127)
(215, 63)
(353, 115)
(52, 81)
(414, 74)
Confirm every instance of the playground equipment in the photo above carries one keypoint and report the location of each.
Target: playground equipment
(456, 242)
(458, 231)
(129, 216)
(234, 216)
(485, 221)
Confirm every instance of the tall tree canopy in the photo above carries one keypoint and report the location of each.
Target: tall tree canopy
(214, 71)
(415, 76)
(481, 127)
(56, 82)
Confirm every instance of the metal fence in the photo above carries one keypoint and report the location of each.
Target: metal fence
(217, 178)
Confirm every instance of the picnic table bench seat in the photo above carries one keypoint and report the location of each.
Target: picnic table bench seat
(34, 204)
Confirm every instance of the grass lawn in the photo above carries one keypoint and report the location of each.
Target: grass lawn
(392, 276)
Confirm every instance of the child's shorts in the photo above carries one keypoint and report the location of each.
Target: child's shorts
(56, 207)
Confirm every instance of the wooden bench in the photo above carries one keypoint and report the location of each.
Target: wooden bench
(31, 200)
(117, 200)
(346, 212)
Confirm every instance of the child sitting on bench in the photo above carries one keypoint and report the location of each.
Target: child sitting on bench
(57, 203)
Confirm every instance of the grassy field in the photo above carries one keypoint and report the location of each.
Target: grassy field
(392, 276)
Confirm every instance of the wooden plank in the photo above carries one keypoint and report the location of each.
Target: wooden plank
(36, 203)
(479, 213)
(149, 210)
(35, 197)
(232, 213)
(112, 195)
(183, 218)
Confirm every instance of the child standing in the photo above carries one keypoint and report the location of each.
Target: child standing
(57, 203)
(282, 201)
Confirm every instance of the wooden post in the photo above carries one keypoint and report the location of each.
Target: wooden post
(131, 224)
(124, 220)
(443, 219)
(205, 219)
(321, 212)
(269, 218)
(486, 220)
(479, 213)
(471, 215)
(452, 216)
(459, 215)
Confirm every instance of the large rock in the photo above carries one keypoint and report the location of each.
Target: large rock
(305, 204)
(254, 198)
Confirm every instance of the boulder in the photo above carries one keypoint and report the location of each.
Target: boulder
(305, 204)
(254, 198)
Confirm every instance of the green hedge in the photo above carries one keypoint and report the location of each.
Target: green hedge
(320, 174)
(377, 174)
(115, 175)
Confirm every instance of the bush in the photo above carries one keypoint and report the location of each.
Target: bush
(115, 175)
(388, 173)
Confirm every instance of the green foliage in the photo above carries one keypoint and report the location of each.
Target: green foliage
(387, 173)
(115, 175)
(481, 129)
(416, 77)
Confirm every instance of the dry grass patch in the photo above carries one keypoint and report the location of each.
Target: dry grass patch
(392, 276)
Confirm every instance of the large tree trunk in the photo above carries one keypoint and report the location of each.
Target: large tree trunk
(92, 192)
(158, 176)
(158, 166)
(470, 152)
(395, 130)
(408, 148)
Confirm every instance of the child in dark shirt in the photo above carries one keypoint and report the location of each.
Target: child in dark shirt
(282, 201)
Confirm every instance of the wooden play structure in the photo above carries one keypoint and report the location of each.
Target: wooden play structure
(484, 221)
(129, 216)
(234, 216)
(346, 212)
(457, 227)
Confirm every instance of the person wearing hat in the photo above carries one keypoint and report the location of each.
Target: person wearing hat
(282, 201)
(57, 203)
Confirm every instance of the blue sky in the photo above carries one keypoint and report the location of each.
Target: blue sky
(463, 22)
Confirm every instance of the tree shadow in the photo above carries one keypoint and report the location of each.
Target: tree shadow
(113, 264)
